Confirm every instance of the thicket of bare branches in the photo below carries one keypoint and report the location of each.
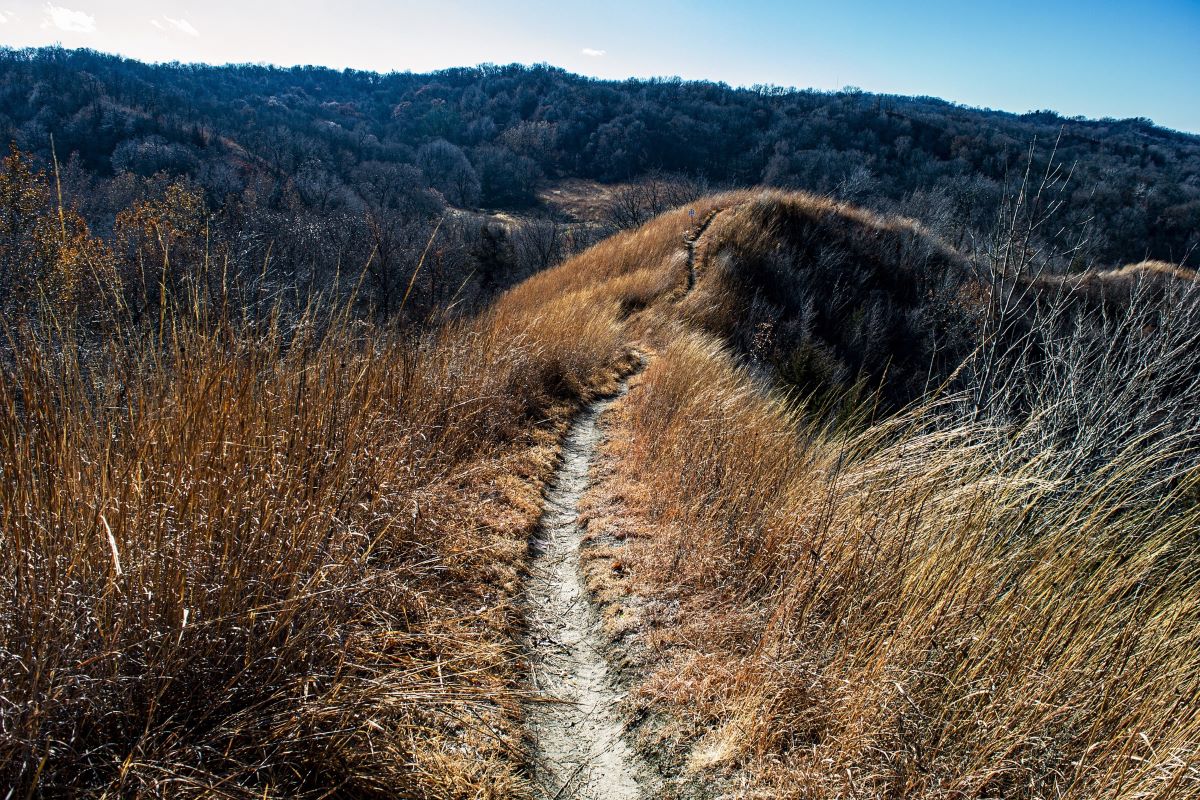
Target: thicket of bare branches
(633, 204)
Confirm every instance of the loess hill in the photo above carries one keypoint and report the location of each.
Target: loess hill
(875, 519)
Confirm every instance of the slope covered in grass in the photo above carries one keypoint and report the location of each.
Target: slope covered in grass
(993, 593)
(280, 557)
(906, 610)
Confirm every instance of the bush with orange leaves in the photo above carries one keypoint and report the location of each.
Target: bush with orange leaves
(47, 253)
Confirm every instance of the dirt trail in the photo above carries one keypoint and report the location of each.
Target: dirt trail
(691, 241)
(578, 732)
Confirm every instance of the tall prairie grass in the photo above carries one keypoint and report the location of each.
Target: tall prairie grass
(279, 557)
(995, 593)
(907, 610)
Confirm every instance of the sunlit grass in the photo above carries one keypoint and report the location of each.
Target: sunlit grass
(280, 556)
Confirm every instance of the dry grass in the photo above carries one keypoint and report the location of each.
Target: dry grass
(903, 611)
(280, 559)
(939, 604)
(832, 298)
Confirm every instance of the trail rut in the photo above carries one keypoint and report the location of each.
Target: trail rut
(691, 241)
(580, 750)
(578, 734)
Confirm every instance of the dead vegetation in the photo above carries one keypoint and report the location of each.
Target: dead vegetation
(278, 556)
(992, 594)
(908, 610)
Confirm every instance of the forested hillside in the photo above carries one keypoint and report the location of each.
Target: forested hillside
(334, 149)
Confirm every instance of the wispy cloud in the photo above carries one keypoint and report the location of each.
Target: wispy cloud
(66, 19)
(3, 18)
(182, 25)
(169, 24)
(591, 52)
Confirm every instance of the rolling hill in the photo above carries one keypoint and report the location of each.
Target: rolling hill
(857, 518)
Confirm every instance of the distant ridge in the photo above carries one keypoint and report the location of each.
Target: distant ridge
(1133, 192)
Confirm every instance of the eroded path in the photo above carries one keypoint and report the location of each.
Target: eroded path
(578, 733)
(579, 739)
(691, 240)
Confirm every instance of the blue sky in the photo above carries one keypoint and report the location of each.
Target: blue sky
(1098, 59)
